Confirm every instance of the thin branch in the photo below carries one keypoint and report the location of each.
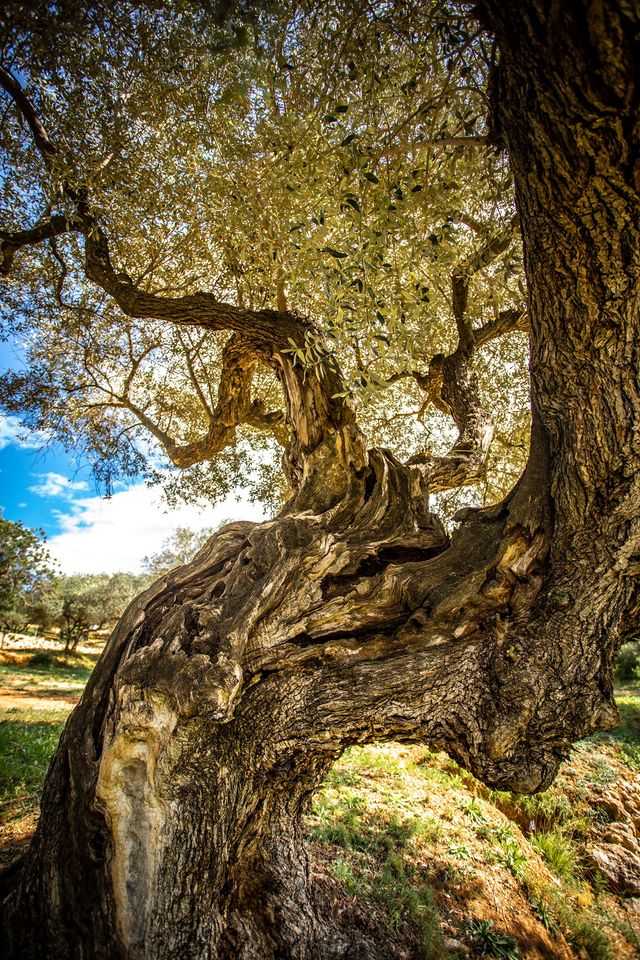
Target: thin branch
(193, 376)
(507, 321)
(40, 135)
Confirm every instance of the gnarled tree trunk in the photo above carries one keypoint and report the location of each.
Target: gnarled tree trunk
(171, 815)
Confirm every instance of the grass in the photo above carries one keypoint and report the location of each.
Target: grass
(560, 852)
(26, 746)
(41, 688)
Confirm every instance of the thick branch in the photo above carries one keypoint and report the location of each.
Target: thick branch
(47, 229)
(233, 408)
(462, 275)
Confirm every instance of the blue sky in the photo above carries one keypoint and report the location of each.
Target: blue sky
(45, 487)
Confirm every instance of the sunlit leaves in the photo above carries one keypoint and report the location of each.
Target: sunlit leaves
(291, 150)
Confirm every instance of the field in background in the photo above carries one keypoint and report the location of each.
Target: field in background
(403, 842)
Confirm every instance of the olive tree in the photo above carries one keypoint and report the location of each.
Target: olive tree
(296, 223)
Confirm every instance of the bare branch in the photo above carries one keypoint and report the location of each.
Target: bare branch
(478, 141)
(24, 105)
(193, 376)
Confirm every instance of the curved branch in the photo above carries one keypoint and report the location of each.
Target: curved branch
(451, 383)
(40, 136)
(234, 407)
(11, 242)
(317, 407)
(463, 273)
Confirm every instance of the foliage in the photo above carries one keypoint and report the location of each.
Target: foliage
(178, 549)
(303, 155)
(25, 567)
(80, 603)
(489, 942)
(628, 662)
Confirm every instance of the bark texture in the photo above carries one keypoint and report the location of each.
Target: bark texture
(171, 815)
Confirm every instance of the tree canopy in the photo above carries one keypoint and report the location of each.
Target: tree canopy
(321, 161)
(178, 549)
(25, 566)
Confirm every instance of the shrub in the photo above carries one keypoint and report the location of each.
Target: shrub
(628, 663)
(489, 942)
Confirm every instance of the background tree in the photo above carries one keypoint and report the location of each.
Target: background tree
(25, 567)
(178, 549)
(77, 604)
(171, 814)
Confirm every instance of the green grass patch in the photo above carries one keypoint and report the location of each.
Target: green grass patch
(560, 853)
(627, 733)
(489, 942)
(25, 752)
(405, 896)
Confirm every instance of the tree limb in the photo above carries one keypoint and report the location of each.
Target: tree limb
(451, 383)
(24, 105)
(11, 242)
(316, 404)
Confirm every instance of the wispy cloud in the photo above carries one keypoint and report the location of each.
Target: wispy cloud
(100, 535)
(13, 431)
(56, 485)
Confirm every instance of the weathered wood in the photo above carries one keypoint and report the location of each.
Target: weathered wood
(171, 815)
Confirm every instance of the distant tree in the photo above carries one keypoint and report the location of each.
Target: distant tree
(179, 548)
(80, 603)
(25, 567)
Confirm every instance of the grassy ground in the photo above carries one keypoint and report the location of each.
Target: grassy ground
(403, 842)
(37, 690)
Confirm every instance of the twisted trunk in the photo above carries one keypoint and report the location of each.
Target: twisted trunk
(171, 815)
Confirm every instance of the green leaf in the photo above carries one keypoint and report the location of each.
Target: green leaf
(349, 139)
(371, 177)
(338, 254)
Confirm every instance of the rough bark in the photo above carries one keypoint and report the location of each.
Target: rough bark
(171, 815)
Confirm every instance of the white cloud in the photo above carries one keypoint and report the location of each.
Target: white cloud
(104, 536)
(13, 431)
(56, 485)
